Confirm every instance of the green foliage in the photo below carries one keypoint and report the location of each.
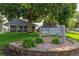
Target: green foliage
(1, 20)
(76, 19)
(56, 40)
(66, 11)
(76, 16)
(49, 20)
(29, 43)
(39, 40)
(28, 11)
(59, 13)
(71, 24)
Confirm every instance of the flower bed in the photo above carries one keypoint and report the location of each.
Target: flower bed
(43, 49)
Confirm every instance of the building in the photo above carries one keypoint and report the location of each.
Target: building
(17, 25)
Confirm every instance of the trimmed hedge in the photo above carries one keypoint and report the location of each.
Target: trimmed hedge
(29, 43)
(56, 40)
(32, 42)
(39, 40)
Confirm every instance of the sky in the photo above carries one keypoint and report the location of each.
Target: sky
(77, 7)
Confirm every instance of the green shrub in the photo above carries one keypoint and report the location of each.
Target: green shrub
(56, 41)
(39, 40)
(29, 43)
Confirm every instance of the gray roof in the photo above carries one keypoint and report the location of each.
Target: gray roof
(17, 22)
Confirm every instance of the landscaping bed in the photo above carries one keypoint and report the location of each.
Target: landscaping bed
(43, 49)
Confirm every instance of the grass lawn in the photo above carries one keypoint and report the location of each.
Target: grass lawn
(73, 35)
(9, 37)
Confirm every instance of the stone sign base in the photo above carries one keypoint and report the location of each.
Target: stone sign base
(15, 49)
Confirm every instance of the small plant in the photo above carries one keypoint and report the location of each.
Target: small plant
(29, 43)
(39, 40)
(56, 40)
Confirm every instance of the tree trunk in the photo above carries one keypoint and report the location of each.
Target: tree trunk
(1, 28)
(29, 26)
(30, 21)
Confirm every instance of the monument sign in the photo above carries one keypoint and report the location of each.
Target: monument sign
(54, 31)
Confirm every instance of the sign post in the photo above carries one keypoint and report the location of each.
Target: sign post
(62, 28)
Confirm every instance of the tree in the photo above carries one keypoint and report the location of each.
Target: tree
(11, 10)
(70, 25)
(62, 14)
(1, 22)
(54, 12)
(32, 12)
(65, 12)
(77, 19)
